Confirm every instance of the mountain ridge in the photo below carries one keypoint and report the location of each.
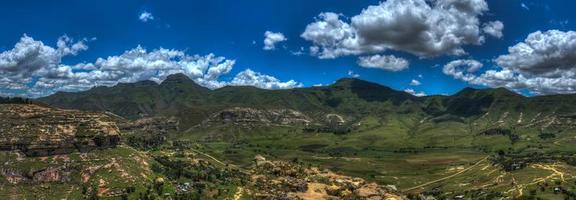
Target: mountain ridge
(181, 97)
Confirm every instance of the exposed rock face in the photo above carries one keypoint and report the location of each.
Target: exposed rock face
(38, 130)
(148, 132)
(497, 131)
(157, 125)
(255, 116)
(51, 175)
(47, 175)
(287, 180)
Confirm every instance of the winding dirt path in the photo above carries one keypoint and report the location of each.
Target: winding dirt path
(550, 167)
(209, 156)
(218, 161)
(447, 177)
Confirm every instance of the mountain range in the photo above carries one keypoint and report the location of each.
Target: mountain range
(180, 97)
(352, 139)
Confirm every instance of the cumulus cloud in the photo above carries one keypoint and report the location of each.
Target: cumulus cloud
(415, 82)
(423, 28)
(31, 58)
(252, 78)
(34, 69)
(271, 39)
(462, 69)
(384, 62)
(353, 74)
(413, 92)
(146, 16)
(494, 29)
(331, 36)
(545, 63)
(550, 54)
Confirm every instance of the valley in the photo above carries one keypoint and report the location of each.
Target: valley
(350, 140)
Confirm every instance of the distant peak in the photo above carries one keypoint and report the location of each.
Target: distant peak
(469, 89)
(492, 91)
(358, 83)
(349, 81)
(142, 83)
(177, 78)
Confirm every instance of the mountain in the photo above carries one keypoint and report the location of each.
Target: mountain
(472, 102)
(476, 144)
(371, 92)
(180, 97)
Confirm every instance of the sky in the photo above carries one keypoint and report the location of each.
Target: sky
(424, 47)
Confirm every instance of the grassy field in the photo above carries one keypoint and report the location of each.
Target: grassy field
(418, 156)
(451, 157)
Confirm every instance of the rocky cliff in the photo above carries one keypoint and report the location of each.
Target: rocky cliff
(241, 115)
(148, 132)
(37, 130)
(292, 180)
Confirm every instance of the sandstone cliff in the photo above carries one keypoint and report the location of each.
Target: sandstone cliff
(240, 115)
(38, 130)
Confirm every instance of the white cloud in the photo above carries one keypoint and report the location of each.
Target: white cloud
(523, 5)
(353, 74)
(545, 63)
(462, 69)
(415, 82)
(331, 36)
(551, 54)
(34, 69)
(271, 39)
(423, 28)
(384, 62)
(251, 78)
(413, 92)
(494, 29)
(146, 16)
(31, 58)
(298, 52)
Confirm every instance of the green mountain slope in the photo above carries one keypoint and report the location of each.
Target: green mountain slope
(476, 144)
(180, 97)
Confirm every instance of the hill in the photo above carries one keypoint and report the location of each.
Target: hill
(180, 97)
(49, 153)
(38, 130)
(475, 144)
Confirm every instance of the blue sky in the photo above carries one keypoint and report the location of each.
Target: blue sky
(236, 30)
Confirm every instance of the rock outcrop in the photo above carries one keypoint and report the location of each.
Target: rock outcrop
(289, 180)
(148, 132)
(156, 125)
(256, 116)
(39, 131)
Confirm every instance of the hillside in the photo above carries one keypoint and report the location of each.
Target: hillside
(180, 97)
(477, 143)
(38, 130)
(49, 153)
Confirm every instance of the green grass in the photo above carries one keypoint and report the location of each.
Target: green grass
(401, 150)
